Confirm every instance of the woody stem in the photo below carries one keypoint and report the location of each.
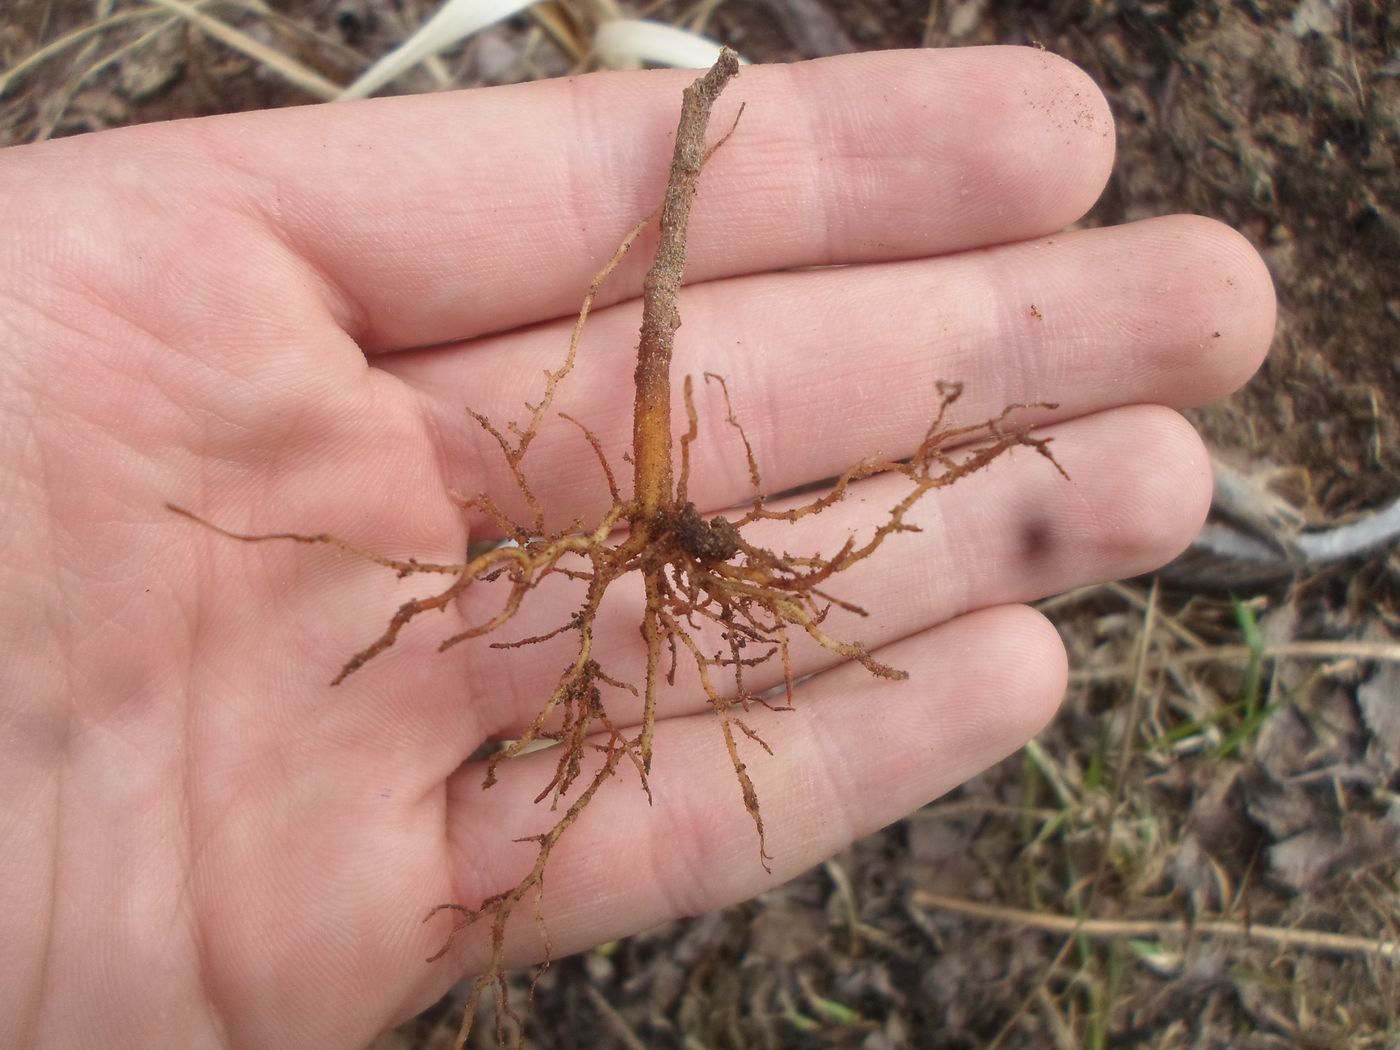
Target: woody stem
(651, 426)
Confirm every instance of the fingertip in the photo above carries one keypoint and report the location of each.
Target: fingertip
(1042, 674)
(1238, 299)
(1160, 486)
(1019, 678)
(1044, 129)
(1066, 131)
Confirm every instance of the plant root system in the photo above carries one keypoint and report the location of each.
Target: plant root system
(695, 571)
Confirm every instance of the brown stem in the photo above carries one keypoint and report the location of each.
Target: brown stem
(651, 427)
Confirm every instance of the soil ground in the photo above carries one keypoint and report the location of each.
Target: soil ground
(1208, 765)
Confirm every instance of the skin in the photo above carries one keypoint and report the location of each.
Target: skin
(277, 320)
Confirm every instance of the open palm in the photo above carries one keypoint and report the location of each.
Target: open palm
(279, 321)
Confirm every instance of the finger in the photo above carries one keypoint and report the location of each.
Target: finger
(443, 216)
(831, 366)
(857, 753)
(1014, 532)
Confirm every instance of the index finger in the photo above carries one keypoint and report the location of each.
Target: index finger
(441, 217)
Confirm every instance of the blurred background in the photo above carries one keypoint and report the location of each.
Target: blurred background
(1204, 849)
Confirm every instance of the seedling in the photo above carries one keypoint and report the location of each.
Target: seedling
(695, 571)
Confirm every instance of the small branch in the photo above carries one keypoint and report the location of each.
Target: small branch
(1388, 652)
(615, 1021)
(1311, 940)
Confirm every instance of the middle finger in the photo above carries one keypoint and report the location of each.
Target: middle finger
(827, 367)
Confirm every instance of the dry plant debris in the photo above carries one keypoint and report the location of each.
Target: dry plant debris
(695, 571)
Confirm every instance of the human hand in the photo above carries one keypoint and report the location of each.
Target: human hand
(279, 319)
